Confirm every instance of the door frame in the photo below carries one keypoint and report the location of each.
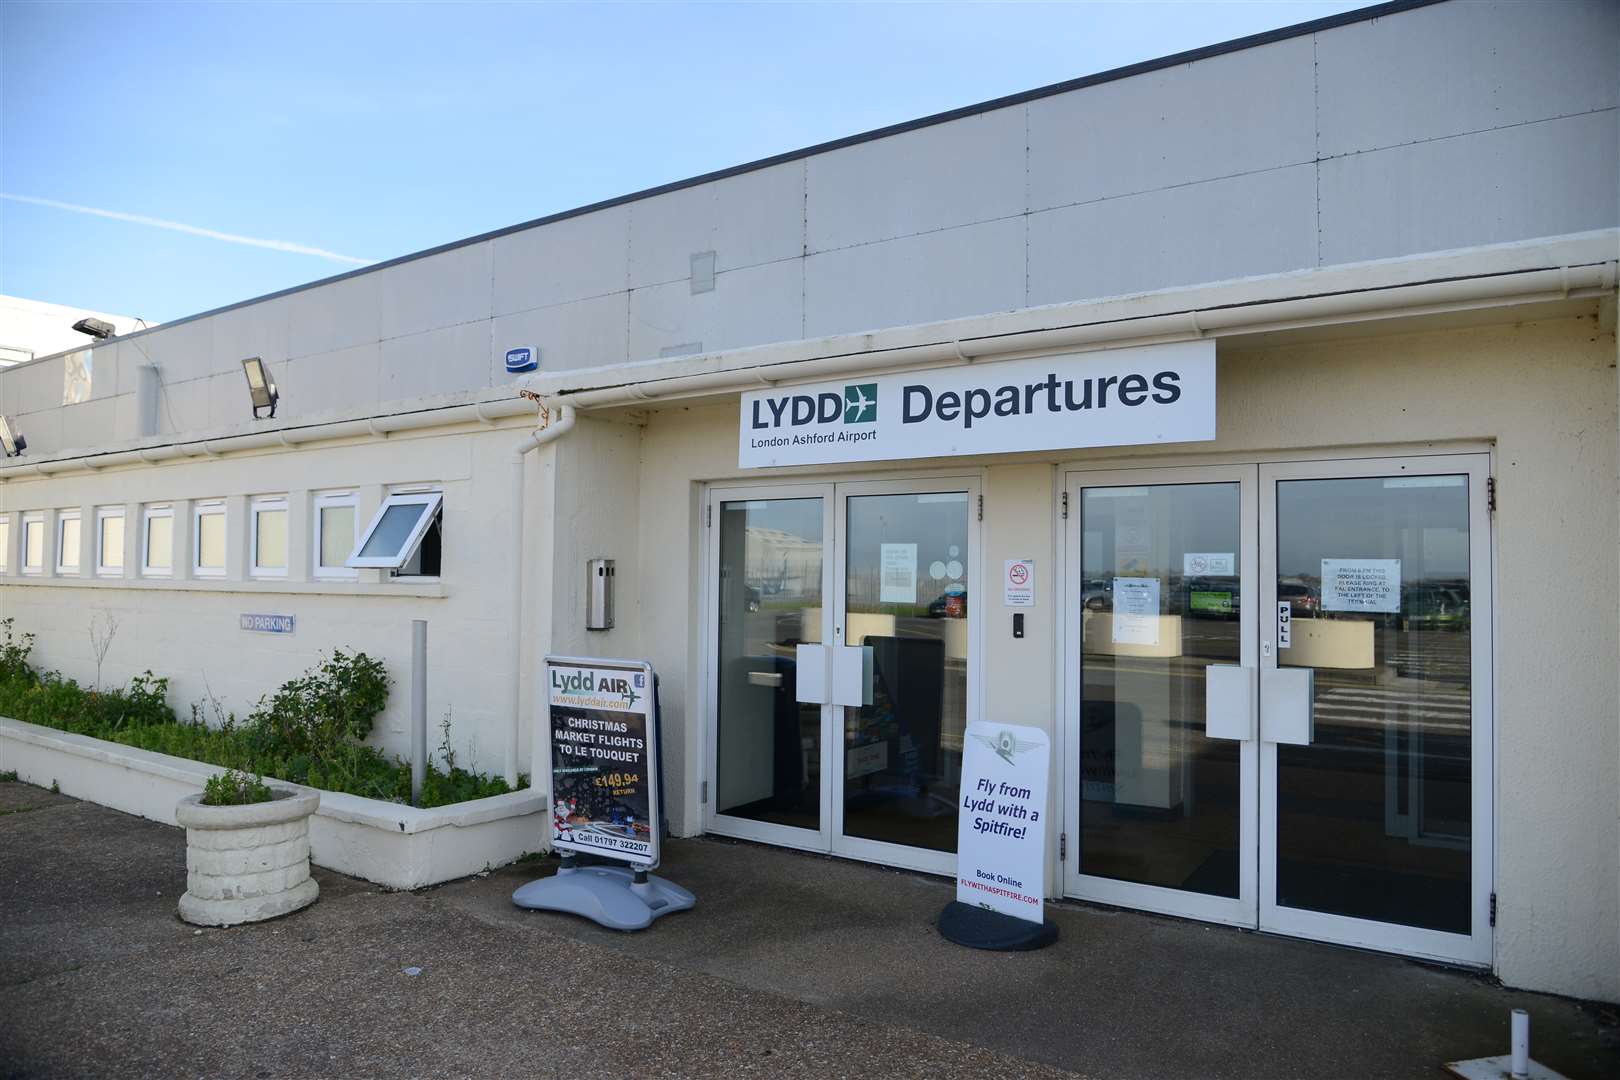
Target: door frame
(834, 491)
(1475, 947)
(792, 836)
(879, 851)
(1241, 910)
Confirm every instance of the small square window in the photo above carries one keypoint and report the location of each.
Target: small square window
(157, 541)
(334, 534)
(269, 517)
(68, 535)
(208, 539)
(403, 536)
(110, 541)
(33, 543)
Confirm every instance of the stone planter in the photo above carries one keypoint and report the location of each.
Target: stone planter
(247, 863)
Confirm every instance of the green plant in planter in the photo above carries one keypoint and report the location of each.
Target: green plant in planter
(325, 711)
(233, 788)
(309, 731)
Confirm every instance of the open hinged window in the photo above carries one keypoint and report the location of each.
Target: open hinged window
(403, 536)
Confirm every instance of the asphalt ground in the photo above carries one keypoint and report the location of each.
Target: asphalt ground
(791, 965)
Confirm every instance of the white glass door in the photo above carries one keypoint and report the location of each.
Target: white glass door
(771, 572)
(840, 651)
(1375, 704)
(1160, 643)
(906, 600)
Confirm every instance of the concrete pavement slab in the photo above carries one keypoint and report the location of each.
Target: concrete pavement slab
(791, 965)
(100, 979)
(1122, 994)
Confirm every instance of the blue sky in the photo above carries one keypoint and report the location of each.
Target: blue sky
(368, 131)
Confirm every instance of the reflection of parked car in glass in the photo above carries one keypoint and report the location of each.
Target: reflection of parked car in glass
(1302, 599)
(950, 604)
(1434, 607)
(751, 597)
(1097, 594)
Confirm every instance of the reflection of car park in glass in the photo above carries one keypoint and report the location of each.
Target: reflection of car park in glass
(751, 597)
(950, 604)
(1303, 600)
(1097, 594)
(1434, 607)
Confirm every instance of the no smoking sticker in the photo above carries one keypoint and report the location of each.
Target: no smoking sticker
(1018, 583)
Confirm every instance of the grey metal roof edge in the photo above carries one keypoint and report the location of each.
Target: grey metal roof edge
(1204, 52)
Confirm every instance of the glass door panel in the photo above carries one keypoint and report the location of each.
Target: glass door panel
(1377, 791)
(907, 592)
(1164, 803)
(771, 569)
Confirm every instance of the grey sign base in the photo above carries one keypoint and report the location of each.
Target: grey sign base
(981, 928)
(609, 895)
(1499, 1068)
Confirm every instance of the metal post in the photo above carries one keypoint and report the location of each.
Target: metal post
(418, 708)
(1521, 1044)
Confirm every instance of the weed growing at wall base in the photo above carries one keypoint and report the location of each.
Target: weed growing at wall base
(308, 732)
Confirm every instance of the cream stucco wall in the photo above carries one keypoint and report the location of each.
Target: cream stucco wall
(187, 629)
(1542, 394)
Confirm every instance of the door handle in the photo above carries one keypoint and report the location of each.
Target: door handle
(810, 673)
(851, 675)
(1228, 701)
(1287, 697)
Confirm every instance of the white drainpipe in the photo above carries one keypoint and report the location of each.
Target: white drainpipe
(559, 426)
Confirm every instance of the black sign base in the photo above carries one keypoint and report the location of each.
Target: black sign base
(981, 928)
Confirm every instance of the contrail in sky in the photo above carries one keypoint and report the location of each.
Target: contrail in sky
(176, 226)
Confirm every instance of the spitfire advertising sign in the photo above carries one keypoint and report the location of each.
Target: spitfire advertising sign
(604, 758)
(1000, 836)
(1113, 397)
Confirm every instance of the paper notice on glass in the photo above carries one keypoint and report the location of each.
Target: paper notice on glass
(1209, 564)
(1136, 611)
(1361, 585)
(897, 563)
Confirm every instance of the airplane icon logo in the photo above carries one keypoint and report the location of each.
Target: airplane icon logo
(860, 403)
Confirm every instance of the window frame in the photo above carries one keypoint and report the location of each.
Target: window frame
(103, 569)
(325, 500)
(256, 506)
(433, 503)
(5, 542)
(63, 569)
(199, 510)
(148, 515)
(32, 520)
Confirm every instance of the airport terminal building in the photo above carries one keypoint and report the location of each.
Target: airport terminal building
(1247, 420)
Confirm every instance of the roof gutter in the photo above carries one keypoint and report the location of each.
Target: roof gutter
(182, 449)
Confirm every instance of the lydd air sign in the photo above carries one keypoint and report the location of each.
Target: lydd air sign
(1115, 397)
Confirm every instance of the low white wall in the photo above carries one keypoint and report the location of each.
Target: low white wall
(402, 847)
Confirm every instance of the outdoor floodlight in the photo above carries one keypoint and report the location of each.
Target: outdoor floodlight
(11, 440)
(260, 385)
(100, 329)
